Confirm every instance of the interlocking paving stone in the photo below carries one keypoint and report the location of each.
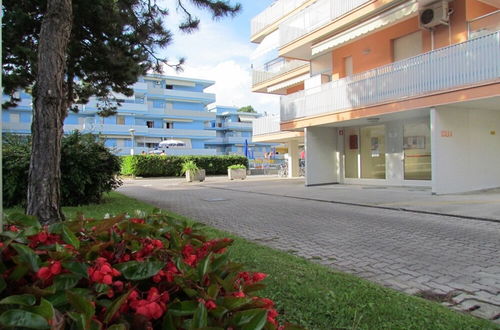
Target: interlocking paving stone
(403, 250)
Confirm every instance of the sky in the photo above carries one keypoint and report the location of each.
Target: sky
(220, 51)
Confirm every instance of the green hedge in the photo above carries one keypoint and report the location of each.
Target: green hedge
(160, 165)
(88, 169)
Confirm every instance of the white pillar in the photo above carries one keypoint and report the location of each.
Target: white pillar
(293, 159)
(322, 158)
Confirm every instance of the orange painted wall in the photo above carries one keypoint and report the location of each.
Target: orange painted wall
(376, 49)
(294, 89)
(377, 46)
(476, 8)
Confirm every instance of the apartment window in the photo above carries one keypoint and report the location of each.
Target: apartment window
(139, 100)
(348, 69)
(169, 87)
(120, 120)
(168, 125)
(158, 104)
(407, 46)
(150, 124)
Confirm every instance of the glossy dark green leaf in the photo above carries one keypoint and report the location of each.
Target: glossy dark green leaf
(203, 266)
(80, 322)
(168, 322)
(183, 308)
(21, 299)
(24, 319)
(213, 291)
(78, 268)
(115, 306)
(69, 237)
(66, 281)
(19, 272)
(28, 256)
(252, 319)
(200, 317)
(3, 285)
(233, 303)
(135, 270)
(45, 309)
(23, 219)
(81, 305)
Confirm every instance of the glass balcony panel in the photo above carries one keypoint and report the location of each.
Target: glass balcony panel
(273, 13)
(483, 25)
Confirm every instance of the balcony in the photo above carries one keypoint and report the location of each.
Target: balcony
(205, 98)
(276, 68)
(144, 131)
(168, 152)
(484, 25)
(315, 16)
(468, 63)
(272, 14)
(266, 125)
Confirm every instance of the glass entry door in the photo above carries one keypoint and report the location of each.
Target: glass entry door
(372, 152)
(365, 152)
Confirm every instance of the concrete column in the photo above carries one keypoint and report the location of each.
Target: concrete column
(322, 157)
(293, 159)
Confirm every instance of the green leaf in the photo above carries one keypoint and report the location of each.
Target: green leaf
(233, 303)
(19, 272)
(204, 265)
(45, 309)
(20, 318)
(58, 299)
(183, 308)
(79, 318)
(220, 261)
(81, 305)
(115, 306)
(66, 281)
(69, 237)
(3, 285)
(252, 319)
(200, 317)
(78, 268)
(22, 299)
(24, 220)
(135, 270)
(168, 322)
(254, 287)
(213, 291)
(28, 256)
(117, 327)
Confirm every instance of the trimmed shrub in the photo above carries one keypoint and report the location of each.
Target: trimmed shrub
(152, 272)
(88, 170)
(160, 165)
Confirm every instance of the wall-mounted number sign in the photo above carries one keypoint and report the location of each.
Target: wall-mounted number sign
(446, 133)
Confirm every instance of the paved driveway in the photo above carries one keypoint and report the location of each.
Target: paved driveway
(404, 250)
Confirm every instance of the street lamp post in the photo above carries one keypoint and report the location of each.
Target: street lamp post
(132, 131)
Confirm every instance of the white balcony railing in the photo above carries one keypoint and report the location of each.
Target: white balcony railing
(314, 17)
(168, 152)
(471, 62)
(266, 125)
(276, 68)
(273, 13)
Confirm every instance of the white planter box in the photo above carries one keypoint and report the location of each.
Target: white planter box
(237, 173)
(196, 176)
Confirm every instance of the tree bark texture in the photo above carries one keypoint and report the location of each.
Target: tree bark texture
(50, 109)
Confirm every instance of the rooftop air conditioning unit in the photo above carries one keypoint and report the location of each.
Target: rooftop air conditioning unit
(433, 15)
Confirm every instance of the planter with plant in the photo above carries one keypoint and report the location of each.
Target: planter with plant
(193, 172)
(237, 172)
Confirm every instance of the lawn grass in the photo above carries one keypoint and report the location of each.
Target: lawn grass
(315, 296)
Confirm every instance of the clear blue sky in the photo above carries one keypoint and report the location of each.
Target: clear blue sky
(220, 51)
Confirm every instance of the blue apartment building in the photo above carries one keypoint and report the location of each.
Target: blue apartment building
(234, 134)
(161, 108)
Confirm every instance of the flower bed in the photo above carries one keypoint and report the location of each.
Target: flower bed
(152, 272)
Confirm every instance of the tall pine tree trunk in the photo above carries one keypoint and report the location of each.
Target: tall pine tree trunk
(50, 109)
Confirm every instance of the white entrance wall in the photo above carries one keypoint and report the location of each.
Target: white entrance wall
(322, 157)
(465, 149)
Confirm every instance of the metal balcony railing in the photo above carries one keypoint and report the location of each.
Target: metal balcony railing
(275, 68)
(471, 62)
(314, 17)
(266, 125)
(273, 13)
